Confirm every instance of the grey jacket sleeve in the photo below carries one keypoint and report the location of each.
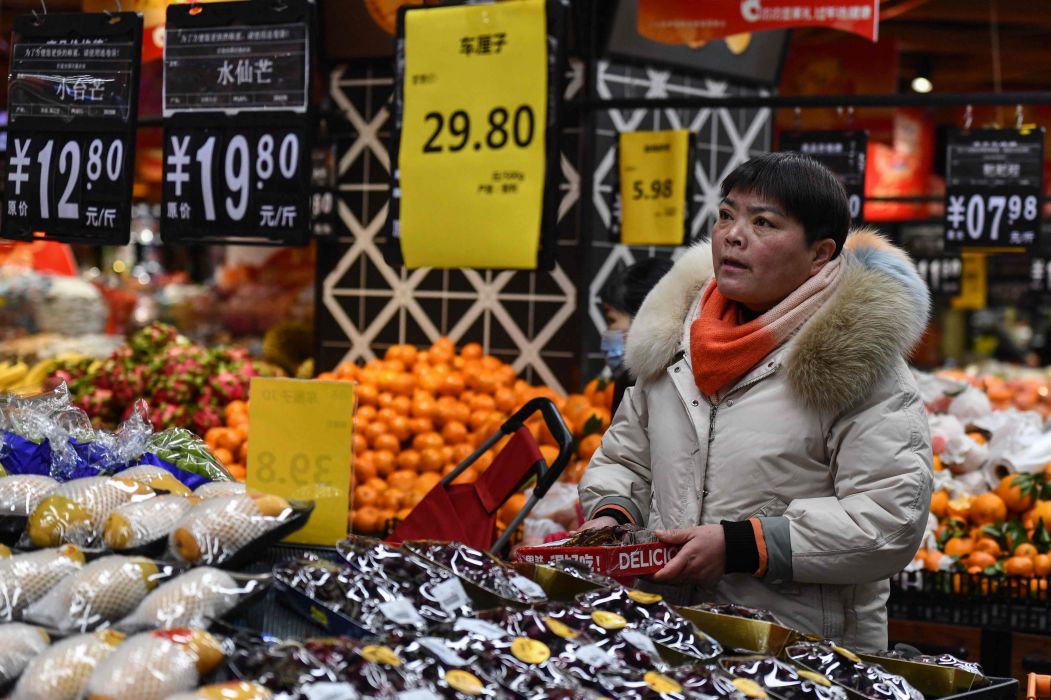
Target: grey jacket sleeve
(619, 471)
(870, 529)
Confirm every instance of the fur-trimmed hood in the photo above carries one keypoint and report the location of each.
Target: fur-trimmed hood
(878, 313)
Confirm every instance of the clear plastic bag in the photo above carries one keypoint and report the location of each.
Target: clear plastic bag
(75, 511)
(20, 494)
(215, 489)
(142, 522)
(102, 592)
(26, 578)
(216, 529)
(19, 644)
(156, 478)
(155, 665)
(231, 690)
(558, 504)
(195, 598)
(845, 669)
(61, 672)
(188, 452)
(970, 405)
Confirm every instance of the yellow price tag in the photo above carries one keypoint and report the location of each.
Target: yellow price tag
(973, 283)
(471, 158)
(653, 171)
(300, 448)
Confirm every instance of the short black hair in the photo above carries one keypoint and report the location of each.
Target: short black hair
(626, 290)
(808, 190)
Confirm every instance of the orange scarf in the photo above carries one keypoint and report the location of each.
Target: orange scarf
(723, 349)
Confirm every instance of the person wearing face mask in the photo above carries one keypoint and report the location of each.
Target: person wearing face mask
(621, 298)
(776, 434)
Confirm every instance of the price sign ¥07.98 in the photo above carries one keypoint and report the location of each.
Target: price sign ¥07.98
(301, 449)
(73, 92)
(993, 188)
(653, 176)
(471, 152)
(237, 141)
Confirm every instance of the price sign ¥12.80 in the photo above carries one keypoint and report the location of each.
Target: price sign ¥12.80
(471, 152)
(301, 449)
(993, 188)
(653, 167)
(72, 96)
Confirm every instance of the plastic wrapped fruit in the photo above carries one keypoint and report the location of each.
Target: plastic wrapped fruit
(481, 569)
(26, 578)
(218, 528)
(156, 478)
(741, 611)
(19, 644)
(20, 494)
(155, 665)
(620, 608)
(193, 599)
(371, 668)
(62, 671)
(74, 512)
(282, 667)
(630, 647)
(844, 668)
(693, 683)
(215, 489)
(103, 591)
(233, 690)
(781, 680)
(449, 673)
(137, 524)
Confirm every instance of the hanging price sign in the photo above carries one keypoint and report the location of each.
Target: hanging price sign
(301, 449)
(942, 273)
(237, 137)
(653, 179)
(993, 186)
(72, 101)
(474, 151)
(842, 152)
(974, 283)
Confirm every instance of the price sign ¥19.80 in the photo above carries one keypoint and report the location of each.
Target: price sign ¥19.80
(471, 153)
(301, 449)
(993, 188)
(72, 96)
(653, 172)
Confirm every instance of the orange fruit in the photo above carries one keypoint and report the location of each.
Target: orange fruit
(409, 460)
(229, 439)
(420, 425)
(989, 546)
(511, 507)
(1041, 565)
(403, 480)
(454, 432)
(936, 463)
(373, 430)
(234, 407)
(593, 420)
(384, 461)
(423, 407)
(425, 440)
(478, 419)
(505, 400)
(367, 520)
(391, 499)
(472, 350)
(574, 472)
(1042, 511)
(1019, 566)
(386, 415)
(467, 476)
(365, 495)
(933, 562)
(482, 402)
(386, 442)
(400, 427)
(431, 459)
(364, 471)
(980, 560)
(427, 481)
(988, 508)
(403, 384)
(366, 412)
(367, 395)
(959, 546)
(959, 507)
(575, 406)
(939, 502)
(452, 385)
(402, 405)
(360, 443)
(237, 471)
(377, 483)
(484, 461)
(211, 438)
(1025, 550)
(588, 445)
(978, 437)
(447, 454)
(223, 455)
(242, 453)
(549, 453)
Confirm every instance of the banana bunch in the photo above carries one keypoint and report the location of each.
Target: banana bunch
(20, 378)
(12, 373)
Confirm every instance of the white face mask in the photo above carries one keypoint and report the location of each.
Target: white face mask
(613, 349)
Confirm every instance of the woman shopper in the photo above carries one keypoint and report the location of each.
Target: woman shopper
(776, 433)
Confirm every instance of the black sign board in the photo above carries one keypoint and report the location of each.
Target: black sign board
(842, 152)
(237, 128)
(323, 191)
(993, 187)
(73, 106)
(941, 273)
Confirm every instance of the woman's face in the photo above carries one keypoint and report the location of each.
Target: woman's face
(760, 252)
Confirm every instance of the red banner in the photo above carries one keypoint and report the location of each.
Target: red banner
(688, 22)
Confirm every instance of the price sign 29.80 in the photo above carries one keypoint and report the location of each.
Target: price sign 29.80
(987, 217)
(248, 182)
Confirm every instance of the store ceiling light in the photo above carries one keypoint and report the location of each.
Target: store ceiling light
(922, 84)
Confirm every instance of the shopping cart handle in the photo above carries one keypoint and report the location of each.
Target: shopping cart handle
(557, 425)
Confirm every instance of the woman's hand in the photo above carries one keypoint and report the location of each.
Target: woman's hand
(702, 558)
(600, 521)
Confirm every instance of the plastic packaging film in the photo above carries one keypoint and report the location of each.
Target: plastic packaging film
(20, 494)
(156, 478)
(103, 591)
(26, 578)
(232, 690)
(216, 529)
(19, 644)
(139, 523)
(215, 489)
(75, 511)
(62, 671)
(193, 599)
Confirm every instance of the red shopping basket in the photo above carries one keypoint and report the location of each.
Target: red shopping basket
(467, 512)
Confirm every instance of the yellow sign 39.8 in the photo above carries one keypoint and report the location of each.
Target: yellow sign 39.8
(471, 157)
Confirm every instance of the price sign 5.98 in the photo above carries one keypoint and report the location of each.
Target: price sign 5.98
(653, 177)
(247, 181)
